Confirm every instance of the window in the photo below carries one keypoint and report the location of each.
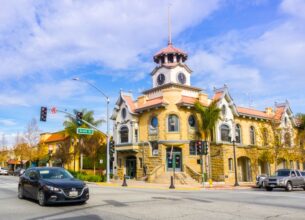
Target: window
(291, 164)
(193, 150)
(225, 133)
(238, 134)
(154, 122)
(298, 173)
(287, 139)
(265, 137)
(123, 113)
(286, 122)
(154, 148)
(293, 173)
(141, 162)
(136, 134)
(223, 110)
(153, 127)
(173, 123)
(124, 134)
(192, 121)
(230, 164)
(298, 165)
(252, 135)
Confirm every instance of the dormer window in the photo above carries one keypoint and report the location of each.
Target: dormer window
(123, 113)
(223, 110)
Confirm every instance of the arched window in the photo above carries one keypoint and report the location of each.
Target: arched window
(252, 135)
(238, 133)
(192, 121)
(124, 134)
(230, 163)
(225, 133)
(265, 137)
(287, 139)
(173, 123)
(154, 122)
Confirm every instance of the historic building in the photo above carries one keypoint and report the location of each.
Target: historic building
(159, 129)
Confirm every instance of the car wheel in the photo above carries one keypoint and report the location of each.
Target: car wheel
(20, 192)
(41, 198)
(269, 188)
(289, 187)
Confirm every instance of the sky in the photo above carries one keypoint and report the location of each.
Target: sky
(255, 47)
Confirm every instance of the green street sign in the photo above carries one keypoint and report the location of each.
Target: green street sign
(86, 131)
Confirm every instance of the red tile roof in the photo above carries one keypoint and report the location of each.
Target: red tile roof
(56, 137)
(11, 161)
(217, 96)
(190, 101)
(279, 112)
(150, 103)
(253, 112)
(170, 49)
(130, 103)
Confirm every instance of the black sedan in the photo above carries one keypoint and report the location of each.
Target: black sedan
(52, 185)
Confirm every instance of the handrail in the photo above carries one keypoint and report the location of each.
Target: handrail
(154, 173)
(195, 175)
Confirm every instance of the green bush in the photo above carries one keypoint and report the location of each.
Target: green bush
(87, 177)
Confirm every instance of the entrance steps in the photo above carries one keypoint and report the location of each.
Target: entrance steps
(181, 178)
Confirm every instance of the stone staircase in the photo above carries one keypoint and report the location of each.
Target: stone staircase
(181, 178)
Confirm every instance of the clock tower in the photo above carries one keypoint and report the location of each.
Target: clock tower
(171, 67)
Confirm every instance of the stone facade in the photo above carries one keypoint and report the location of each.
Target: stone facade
(158, 129)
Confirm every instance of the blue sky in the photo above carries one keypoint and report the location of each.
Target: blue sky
(256, 47)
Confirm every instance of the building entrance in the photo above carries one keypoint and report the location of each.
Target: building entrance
(131, 167)
(174, 159)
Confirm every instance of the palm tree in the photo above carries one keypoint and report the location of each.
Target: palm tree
(71, 125)
(209, 117)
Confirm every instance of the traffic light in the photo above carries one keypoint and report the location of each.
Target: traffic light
(111, 146)
(204, 147)
(199, 147)
(79, 118)
(43, 113)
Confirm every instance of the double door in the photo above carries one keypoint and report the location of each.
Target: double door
(174, 161)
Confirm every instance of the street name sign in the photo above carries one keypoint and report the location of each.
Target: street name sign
(86, 131)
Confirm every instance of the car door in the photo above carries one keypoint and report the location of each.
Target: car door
(300, 178)
(294, 178)
(25, 183)
(33, 184)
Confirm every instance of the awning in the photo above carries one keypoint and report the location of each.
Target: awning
(12, 161)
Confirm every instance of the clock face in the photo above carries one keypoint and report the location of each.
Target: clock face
(160, 79)
(181, 78)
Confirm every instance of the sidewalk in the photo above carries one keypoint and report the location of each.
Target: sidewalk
(145, 185)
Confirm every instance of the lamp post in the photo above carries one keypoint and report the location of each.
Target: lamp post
(108, 101)
(233, 140)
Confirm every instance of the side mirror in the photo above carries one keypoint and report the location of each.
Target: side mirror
(34, 178)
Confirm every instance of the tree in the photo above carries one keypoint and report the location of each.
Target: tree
(209, 117)
(93, 146)
(71, 126)
(301, 128)
(21, 149)
(31, 137)
(63, 153)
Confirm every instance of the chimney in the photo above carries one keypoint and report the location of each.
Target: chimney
(203, 98)
(269, 111)
(142, 100)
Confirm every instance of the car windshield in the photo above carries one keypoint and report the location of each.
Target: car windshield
(55, 174)
(282, 173)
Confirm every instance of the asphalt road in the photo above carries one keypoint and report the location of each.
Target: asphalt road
(130, 203)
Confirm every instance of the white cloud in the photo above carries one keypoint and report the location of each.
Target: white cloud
(7, 122)
(59, 34)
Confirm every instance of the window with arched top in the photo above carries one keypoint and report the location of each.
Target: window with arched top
(124, 133)
(238, 134)
(287, 139)
(252, 135)
(225, 133)
(173, 123)
(192, 121)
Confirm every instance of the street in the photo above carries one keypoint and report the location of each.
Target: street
(131, 203)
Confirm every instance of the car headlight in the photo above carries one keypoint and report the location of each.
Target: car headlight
(52, 188)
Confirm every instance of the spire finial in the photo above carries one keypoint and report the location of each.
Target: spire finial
(169, 26)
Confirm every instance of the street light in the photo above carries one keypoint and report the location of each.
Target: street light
(108, 100)
(233, 140)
